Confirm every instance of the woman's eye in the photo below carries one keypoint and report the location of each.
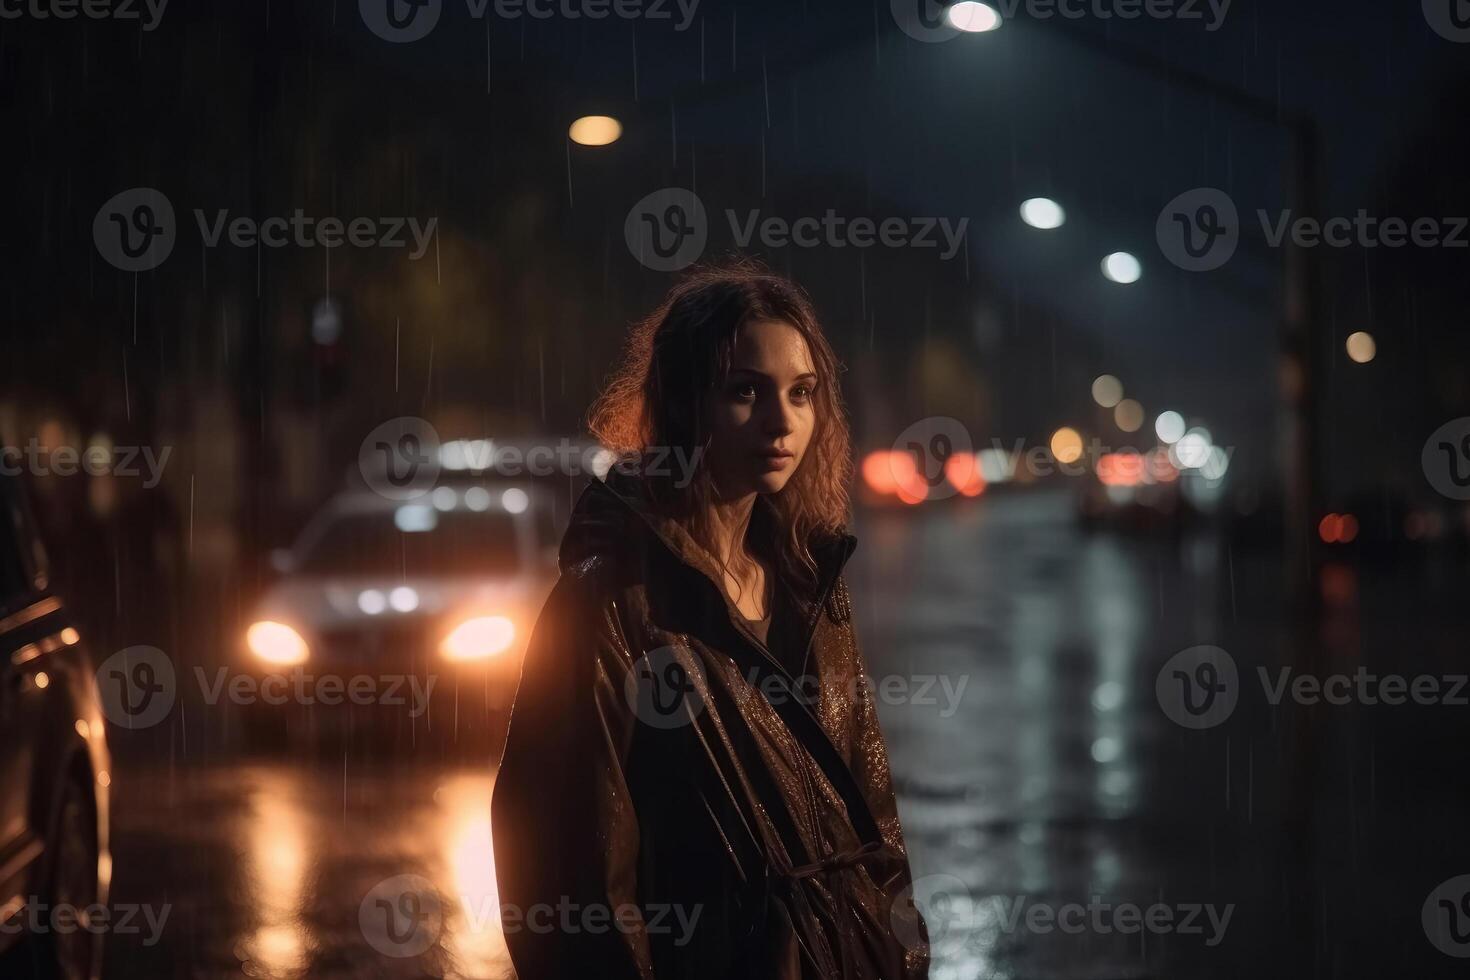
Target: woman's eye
(745, 390)
(801, 393)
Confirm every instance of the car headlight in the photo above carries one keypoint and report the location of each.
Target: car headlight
(478, 638)
(276, 643)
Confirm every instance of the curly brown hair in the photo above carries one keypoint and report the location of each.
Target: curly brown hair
(678, 356)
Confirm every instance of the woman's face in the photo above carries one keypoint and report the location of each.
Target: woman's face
(762, 419)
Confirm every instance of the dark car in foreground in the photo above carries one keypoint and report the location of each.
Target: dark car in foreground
(53, 768)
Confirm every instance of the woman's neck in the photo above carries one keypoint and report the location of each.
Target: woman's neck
(729, 519)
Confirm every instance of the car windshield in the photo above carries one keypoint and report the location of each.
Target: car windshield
(416, 540)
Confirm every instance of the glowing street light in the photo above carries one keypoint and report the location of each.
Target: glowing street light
(1361, 347)
(1066, 445)
(1128, 415)
(1169, 427)
(972, 17)
(595, 130)
(1043, 213)
(1107, 390)
(1122, 267)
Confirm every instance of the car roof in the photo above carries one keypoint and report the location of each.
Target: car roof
(371, 502)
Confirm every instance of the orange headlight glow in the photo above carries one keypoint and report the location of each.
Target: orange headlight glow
(478, 638)
(276, 643)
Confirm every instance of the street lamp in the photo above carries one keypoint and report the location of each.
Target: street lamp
(973, 18)
(1122, 267)
(1043, 213)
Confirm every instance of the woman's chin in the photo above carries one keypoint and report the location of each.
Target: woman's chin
(771, 482)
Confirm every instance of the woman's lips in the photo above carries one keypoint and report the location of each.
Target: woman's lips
(772, 461)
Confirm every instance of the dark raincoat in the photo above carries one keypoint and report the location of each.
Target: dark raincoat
(744, 829)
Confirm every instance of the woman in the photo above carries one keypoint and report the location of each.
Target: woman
(695, 783)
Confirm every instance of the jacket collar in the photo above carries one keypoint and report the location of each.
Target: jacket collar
(601, 521)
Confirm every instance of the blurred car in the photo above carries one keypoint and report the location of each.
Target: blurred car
(431, 598)
(53, 763)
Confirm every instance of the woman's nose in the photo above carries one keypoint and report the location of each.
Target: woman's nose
(778, 421)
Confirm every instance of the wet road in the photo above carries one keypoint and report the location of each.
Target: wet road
(276, 870)
(1043, 790)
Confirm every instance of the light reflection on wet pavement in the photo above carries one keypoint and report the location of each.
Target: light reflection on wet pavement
(268, 866)
(1050, 778)
(1032, 790)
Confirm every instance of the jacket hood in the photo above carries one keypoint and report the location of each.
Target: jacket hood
(612, 514)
